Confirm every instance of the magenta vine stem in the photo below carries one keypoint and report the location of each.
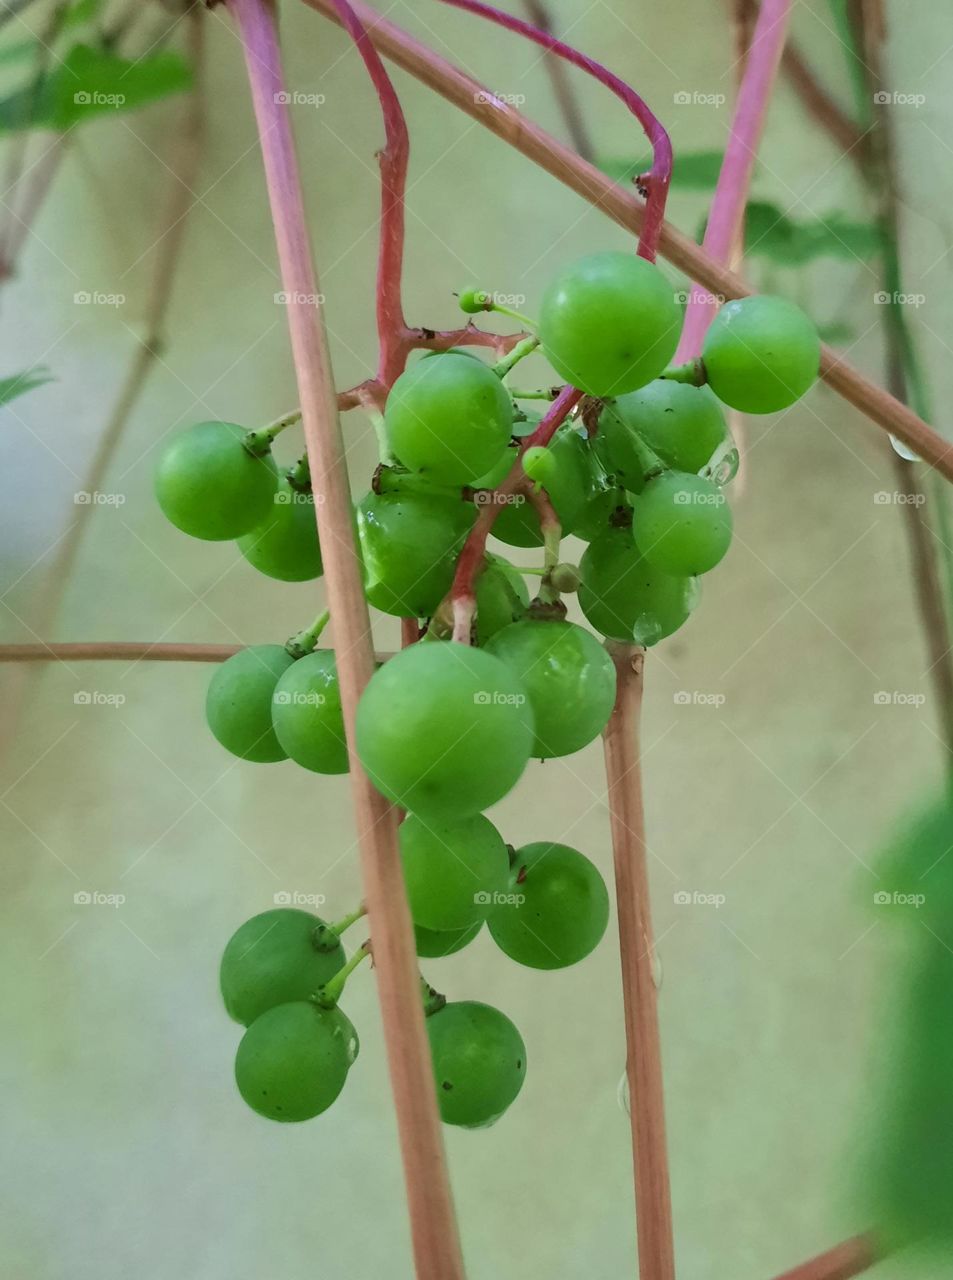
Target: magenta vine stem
(726, 215)
(656, 181)
(434, 1234)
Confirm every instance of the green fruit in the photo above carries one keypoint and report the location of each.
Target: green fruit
(238, 703)
(609, 323)
(293, 1060)
(285, 545)
(444, 730)
(565, 470)
(609, 507)
(557, 909)
(479, 1062)
(409, 546)
(453, 869)
(682, 523)
(568, 676)
(210, 486)
(761, 354)
(434, 944)
(501, 598)
(307, 716)
(625, 598)
(450, 419)
(274, 958)
(683, 425)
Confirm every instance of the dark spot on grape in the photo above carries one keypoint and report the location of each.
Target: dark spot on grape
(447, 1085)
(519, 1064)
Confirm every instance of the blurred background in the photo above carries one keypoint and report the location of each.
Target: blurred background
(786, 728)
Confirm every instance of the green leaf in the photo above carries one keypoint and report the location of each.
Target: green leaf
(91, 82)
(20, 383)
(692, 170)
(769, 233)
(19, 51)
(81, 12)
(836, 332)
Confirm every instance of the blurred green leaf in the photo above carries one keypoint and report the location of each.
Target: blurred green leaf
(20, 383)
(83, 11)
(693, 170)
(770, 233)
(835, 332)
(19, 51)
(91, 82)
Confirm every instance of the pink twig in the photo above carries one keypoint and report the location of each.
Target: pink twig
(656, 181)
(726, 216)
(847, 1260)
(463, 591)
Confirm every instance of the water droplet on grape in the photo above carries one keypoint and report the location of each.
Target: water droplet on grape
(724, 464)
(647, 629)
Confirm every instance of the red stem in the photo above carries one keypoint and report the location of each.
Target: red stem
(843, 1262)
(656, 182)
(726, 216)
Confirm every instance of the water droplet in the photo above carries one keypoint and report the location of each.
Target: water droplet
(724, 464)
(904, 452)
(622, 1095)
(647, 629)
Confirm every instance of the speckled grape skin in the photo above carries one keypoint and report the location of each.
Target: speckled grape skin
(292, 1061)
(479, 1062)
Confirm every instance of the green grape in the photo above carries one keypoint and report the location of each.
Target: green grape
(238, 703)
(609, 323)
(306, 714)
(479, 1062)
(565, 470)
(450, 419)
(210, 486)
(761, 354)
(682, 523)
(501, 598)
(473, 300)
(293, 1060)
(607, 507)
(682, 424)
(276, 957)
(444, 730)
(285, 544)
(625, 598)
(556, 911)
(433, 944)
(409, 545)
(453, 869)
(451, 351)
(569, 677)
(493, 478)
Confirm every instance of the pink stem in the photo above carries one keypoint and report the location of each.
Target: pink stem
(659, 176)
(463, 591)
(726, 216)
(391, 326)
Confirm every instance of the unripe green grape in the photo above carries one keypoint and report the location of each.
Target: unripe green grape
(451, 351)
(409, 545)
(565, 470)
(293, 1060)
(569, 677)
(453, 868)
(473, 300)
(609, 323)
(273, 958)
(625, 598)
(238, 703)
(607, 507)
(307, 716)
(450, 419)
(682, 523)
(556, 911)
(761, 354)
(285, 544)
(210, 486)
(493, 478)
(501, 598)
(444, 730)
(479, 1062)
(683, 425)
(433, 944)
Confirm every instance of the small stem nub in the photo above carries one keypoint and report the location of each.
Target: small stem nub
(328, 995)
(259, 441)
(303, 642)
(693, 372)
(523, 348)
(433, 1000)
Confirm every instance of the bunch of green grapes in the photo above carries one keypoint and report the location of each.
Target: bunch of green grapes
(444, 729)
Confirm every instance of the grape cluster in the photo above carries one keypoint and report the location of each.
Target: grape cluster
(446, 729)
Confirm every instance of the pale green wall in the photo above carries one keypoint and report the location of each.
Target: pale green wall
(127, 1150)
